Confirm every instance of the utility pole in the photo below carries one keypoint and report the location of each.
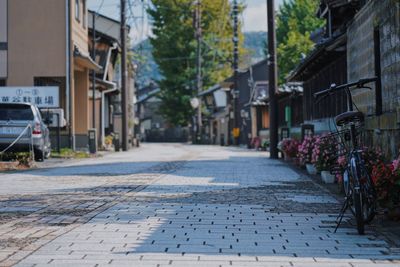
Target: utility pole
(94, 73)
(124, 74)
(235, 70)
(199, 62)
(273, 82)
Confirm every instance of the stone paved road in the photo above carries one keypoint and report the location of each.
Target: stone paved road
(177, 205)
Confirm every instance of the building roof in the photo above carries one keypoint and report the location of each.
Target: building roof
(106, 26)
(148, 95)
(210, 90)
(106, 84)
(85, 60)
(291, 87)
(256, 65)
(322, 54)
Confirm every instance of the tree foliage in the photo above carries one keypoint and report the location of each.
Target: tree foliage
(174, 50)
(296, 20)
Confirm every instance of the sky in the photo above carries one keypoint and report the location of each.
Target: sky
(254, 17)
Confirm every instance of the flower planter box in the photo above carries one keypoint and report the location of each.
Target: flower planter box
(296, 161)
(327, 177)
(286, 157)
(393, 214)
(12, 165)
(311, 169)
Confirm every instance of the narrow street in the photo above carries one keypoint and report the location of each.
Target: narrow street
(177, 205)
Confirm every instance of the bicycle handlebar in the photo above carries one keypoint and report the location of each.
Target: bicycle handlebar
(359, 84)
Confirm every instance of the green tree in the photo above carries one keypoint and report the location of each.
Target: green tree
(174, 51)
(296, 20)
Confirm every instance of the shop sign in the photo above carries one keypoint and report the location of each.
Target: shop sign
(41, 96)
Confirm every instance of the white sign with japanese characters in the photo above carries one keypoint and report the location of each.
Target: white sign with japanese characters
(41, 96)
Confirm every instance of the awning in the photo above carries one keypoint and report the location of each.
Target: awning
(324, 52)
(85, 60)
(291, 87)
(145, 97)
(210, 90)
(104, 85)
(220, 114)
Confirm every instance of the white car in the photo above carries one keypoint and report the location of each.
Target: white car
(14, 119)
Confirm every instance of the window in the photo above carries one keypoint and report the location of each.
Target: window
(77, 10)
(16, 112)
(2, 82)
(84, 11)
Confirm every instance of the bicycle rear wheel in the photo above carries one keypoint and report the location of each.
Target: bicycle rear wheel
(359, 211)
(369, 200)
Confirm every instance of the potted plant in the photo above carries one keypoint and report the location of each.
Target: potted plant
(289, 147)
(304, 154)
(264, 145)
(324, 156)
(108, 142)
(371, 157)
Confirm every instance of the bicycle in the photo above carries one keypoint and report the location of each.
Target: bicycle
(359, 189)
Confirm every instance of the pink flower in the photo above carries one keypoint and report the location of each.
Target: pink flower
(342, 160)
(396, 164)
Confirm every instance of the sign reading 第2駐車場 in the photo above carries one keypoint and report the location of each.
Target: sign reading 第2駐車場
(41, 96)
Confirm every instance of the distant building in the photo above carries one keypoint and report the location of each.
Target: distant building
(216, 119)
(253, 107)
(253, 86)
(45, 43)
(153, 125)
(108, 92)
(55, 50)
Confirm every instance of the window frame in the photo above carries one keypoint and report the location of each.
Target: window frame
(78, 10)
(84, 14)
(378, 70)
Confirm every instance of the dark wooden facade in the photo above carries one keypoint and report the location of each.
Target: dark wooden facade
(295, 102)
(246, 82)
(333, 72)
(361, 40)
(322, 68)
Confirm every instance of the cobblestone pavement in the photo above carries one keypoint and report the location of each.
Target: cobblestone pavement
(178, 205)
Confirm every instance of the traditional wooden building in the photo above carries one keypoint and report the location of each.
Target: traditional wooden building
(216, 115)
(374, 50)
(252, 106)
(153, 126)
(361, 39)
(107, 50)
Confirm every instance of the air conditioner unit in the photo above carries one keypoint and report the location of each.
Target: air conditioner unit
(50, 116)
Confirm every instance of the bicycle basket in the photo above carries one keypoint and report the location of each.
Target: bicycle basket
(340, 144)
(331, 147)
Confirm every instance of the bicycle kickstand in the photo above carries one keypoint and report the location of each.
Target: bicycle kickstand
(339, 218)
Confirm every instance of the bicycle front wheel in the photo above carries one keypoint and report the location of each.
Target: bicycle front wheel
(358, 210)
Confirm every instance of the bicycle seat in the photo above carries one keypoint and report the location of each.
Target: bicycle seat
(348, 117)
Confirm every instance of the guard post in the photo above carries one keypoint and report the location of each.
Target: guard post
(93, 141)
